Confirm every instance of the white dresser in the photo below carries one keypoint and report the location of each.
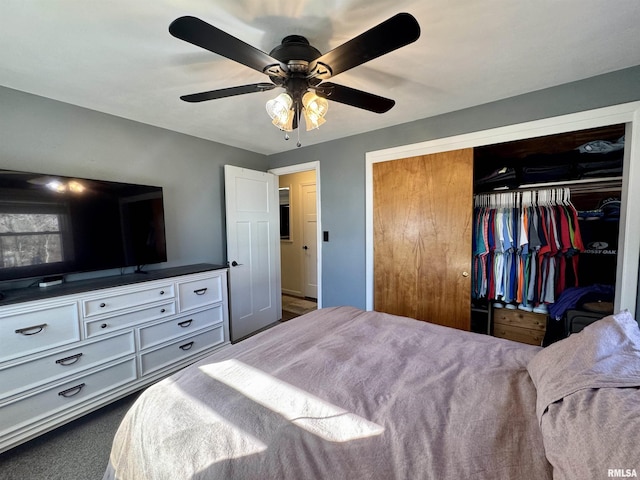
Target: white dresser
(66, 355)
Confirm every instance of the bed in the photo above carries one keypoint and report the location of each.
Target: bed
(341, 393)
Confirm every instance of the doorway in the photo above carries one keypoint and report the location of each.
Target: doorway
(300, 238)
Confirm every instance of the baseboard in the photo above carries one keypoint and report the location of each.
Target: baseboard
(293, 293)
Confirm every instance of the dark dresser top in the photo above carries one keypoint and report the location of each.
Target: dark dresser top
(20, 295)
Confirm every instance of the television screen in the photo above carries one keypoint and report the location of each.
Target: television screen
(53, 225)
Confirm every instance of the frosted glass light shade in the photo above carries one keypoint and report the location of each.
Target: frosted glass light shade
(312, 120)
(315, 104)
(279, 109)
(315, 108)
(284, 122)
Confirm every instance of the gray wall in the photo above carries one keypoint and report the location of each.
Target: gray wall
(342, 165)
(43, 135)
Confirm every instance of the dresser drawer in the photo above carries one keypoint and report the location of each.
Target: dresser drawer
(176, 327)
(28, 375)
(518, 334)
(105, 325)
(199, 293)
(176, 351)
(36, 330)
(29, 409)
(117, 301)
(520, 318)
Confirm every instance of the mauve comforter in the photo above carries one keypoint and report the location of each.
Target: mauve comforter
(341, 394)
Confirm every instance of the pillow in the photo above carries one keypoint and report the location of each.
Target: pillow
(588, 400)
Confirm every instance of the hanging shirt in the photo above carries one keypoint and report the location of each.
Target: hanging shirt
(527, 254)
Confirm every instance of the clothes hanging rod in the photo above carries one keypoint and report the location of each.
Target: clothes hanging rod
(592, 185)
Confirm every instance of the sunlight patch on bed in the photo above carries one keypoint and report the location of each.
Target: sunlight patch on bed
(299, 407)
(221, 438)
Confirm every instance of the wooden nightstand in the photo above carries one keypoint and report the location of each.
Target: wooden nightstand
(519, 325)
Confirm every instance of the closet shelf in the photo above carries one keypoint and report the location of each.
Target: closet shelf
(576, 186)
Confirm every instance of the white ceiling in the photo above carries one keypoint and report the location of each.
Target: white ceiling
(117, 57)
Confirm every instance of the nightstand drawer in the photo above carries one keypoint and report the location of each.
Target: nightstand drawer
(117, 322)
(117, 301)
(518, 334)
(199, 293)
(520, 318)
(28, 375)
(65, 395)
(176, 327)
(36, 330)
(184, 348)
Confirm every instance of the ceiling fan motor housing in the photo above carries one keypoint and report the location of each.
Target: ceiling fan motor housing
(295, 47)
(295, 54)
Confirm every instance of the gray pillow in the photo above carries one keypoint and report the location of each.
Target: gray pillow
(588, 400)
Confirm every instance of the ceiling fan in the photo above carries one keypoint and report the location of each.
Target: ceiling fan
(300, 68)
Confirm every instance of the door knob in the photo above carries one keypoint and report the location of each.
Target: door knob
(465, 274)
(305, 248)
(235, 264)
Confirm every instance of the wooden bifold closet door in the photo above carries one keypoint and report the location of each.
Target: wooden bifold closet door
(422, 221)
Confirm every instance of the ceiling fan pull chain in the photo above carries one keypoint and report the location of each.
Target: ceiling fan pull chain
(299, 117)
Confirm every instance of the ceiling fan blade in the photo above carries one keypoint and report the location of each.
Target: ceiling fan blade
(354, 97)
(202, 34)
(396, 32)
(227, 92)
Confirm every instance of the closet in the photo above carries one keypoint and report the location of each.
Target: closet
(423, 215)
(575, 180)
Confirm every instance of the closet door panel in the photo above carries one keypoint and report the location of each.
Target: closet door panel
(422, 214)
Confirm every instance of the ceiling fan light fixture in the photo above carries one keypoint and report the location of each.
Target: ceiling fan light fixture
(279, 107)
(315, 104)
(284, 121)
(312, 120)
(315, 108)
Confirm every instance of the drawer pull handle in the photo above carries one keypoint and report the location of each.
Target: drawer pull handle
(162, 310)
(186, 346)
(161, 292)
(102, 305)
(70, 392)
(28, 330)
(104, 325)
(200, 291)
(186, 323)
(69, 360)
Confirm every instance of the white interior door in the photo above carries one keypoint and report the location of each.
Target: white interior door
(253, 249)
(310, 240)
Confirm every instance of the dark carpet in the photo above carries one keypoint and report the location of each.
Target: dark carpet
(78, 450)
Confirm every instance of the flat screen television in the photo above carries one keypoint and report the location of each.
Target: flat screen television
(55, 225)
